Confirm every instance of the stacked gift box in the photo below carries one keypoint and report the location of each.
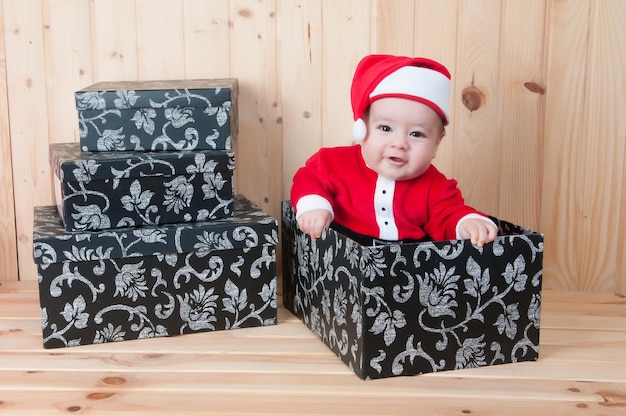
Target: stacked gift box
(148, 237)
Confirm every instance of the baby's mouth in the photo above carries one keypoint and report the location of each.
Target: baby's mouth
(396, 160)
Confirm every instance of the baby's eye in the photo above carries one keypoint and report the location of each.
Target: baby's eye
(384, 128)
(417, 134)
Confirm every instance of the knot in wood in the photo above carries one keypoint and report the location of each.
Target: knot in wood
(116, 381)
(100, 395)
(472, 98)
(534, 87)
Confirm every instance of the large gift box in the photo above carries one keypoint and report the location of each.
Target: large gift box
(408, 309)
(158, 115)
(126, 284)
(102, 190)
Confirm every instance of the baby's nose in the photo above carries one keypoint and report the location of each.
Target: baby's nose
(400, 141)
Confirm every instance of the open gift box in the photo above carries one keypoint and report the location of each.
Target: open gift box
(409, 309)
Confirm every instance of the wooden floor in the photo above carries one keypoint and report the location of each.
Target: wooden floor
(285, 370)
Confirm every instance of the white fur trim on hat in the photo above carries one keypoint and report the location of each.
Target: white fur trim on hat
(419, 82)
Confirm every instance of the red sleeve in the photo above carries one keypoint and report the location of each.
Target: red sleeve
(312, 178)
(446, 207)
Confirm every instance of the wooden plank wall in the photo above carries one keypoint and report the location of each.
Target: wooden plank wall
(538, 117)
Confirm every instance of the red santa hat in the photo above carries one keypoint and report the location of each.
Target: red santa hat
(381, 76)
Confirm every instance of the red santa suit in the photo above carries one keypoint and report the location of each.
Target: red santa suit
(338, 180)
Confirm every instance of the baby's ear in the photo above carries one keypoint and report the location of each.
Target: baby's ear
(441, 136)
(443, 133)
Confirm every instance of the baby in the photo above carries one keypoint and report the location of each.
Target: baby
(384, 189)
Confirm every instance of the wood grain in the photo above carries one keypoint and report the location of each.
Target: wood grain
(349, 33)
(394, 27)
(160, 51)
(604, 156)
(300, 39)
(29, 122)
(206, 41)
(478, 146)
(285, 369)
(545, 146)
(258, 149)
(561, 213)
(8, 240)
(68, 63)
(114, 51)
(520, 111)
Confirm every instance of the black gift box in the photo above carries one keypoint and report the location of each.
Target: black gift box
(406, 309)
(102, 190)
(148, 282)
(158, 115)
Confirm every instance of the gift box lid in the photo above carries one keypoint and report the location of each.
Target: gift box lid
(249, 227)
(158, 94)
(71, 164)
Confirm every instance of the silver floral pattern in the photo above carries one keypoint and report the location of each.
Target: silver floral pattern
(106, 190)
(158, 115)
(124, 284)
(408, 309)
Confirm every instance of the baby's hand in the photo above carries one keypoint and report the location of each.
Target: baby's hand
(478, 231)
(314, 222)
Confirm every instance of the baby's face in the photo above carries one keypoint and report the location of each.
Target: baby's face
(402, 138)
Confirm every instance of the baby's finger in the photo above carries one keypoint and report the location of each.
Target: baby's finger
(305, 226)
(318, 229)
(487, 235)
(479, 236)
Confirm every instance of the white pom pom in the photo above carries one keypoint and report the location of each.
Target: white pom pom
(359, 130)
